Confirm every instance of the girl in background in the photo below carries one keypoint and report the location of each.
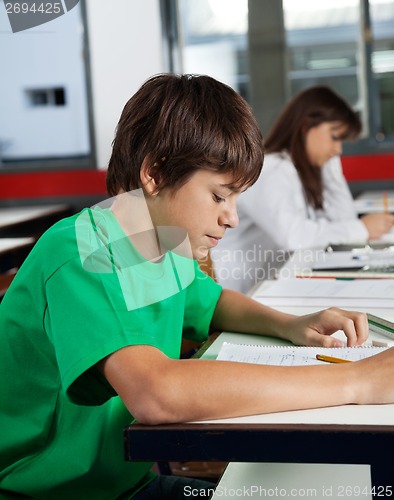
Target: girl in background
(301, 199)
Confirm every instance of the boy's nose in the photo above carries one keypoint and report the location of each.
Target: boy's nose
(229, 218)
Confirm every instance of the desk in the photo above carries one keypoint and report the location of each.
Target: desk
(371, 202)
(11, 244)
(301, 264)
(375, 194)
(350, 434)
(30, 220)
(13, 251)
(345, 434)
(290, 480)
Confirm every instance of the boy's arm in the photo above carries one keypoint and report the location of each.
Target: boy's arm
(157, 389)
(238, 313)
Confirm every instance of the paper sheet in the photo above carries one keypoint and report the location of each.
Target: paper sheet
(289, 355)
(374, 293)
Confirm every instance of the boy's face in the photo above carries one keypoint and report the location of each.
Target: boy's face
(204, 207)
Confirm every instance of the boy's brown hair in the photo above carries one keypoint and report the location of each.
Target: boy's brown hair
(180, 124)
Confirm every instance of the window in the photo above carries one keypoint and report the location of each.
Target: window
(382, 65)
(214, 40)
(46, 97)
(283, 47)
(45, 114)
(322, 46)
(350, 48)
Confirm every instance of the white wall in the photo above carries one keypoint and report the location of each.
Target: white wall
(125, 42)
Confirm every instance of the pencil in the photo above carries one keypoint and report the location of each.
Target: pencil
(331, 359)
(385, 203)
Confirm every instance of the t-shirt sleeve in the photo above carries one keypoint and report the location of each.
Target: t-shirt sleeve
(87, 319)
(202, 296)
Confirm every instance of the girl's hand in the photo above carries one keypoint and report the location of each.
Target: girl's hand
(378, 224)
(316, 329)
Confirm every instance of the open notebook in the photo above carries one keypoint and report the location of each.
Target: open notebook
(291, 355)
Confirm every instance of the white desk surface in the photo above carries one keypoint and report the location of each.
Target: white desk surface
(338, 415)
(286, 480)
(301, 296)
(320, 480)
(372, 206)
(336, 424)
(375, 195)
(8, 244)
(15, 215)
(371, 202)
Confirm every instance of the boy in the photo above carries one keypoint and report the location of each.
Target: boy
(109, 293)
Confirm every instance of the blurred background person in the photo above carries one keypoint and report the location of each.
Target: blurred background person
(302, 199)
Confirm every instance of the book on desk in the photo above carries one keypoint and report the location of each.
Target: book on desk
(293, 355)
(350, 262)
(368, 263)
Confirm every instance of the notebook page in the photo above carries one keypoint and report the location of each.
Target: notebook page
(291, 355)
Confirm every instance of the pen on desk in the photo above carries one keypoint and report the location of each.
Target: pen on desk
(331, 359)
(360, 257)
(385, 203)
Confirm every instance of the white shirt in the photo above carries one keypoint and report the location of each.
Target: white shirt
(275, 218)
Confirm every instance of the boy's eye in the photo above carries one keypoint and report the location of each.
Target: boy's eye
(217, 198)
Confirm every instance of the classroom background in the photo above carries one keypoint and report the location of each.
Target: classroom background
(64, 83)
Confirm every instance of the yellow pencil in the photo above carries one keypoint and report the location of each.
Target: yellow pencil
(331, 359)
(385, 203)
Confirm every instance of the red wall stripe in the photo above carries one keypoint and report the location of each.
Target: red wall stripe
(58, 183)
(92, 182)
(369, 167)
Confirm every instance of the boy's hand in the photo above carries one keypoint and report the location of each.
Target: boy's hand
(316, 329)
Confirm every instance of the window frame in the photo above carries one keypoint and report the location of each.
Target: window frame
(368, 87)
(67, 162)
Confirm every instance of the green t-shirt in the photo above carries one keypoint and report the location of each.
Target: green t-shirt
(83, 293)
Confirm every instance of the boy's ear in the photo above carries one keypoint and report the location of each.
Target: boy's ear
(148, 177)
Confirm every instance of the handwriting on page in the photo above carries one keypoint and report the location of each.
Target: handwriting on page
(289, 355)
